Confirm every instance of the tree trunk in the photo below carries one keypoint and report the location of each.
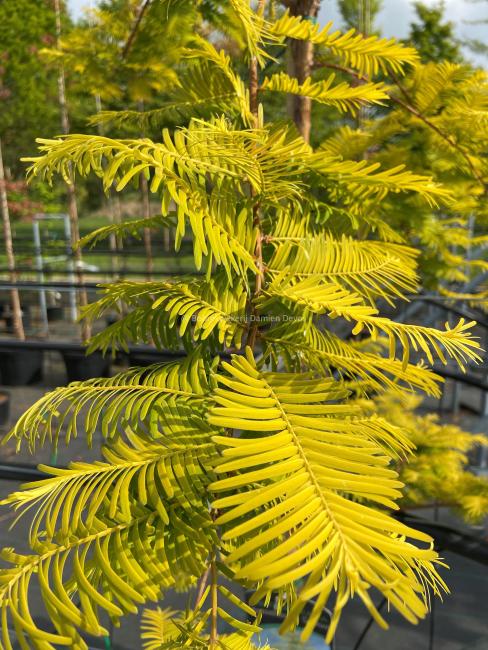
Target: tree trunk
(9, 250)
(300, 66)
(112, 240)
(146, 213)
(72, 206)
(258, 250)
(118, 220)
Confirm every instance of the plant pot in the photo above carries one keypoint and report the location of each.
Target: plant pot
(55, 313)
(110, 319)
(80, 366)
(4, 407)
(147, 359)
(20, 367)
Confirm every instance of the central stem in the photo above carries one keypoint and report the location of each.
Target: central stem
(258, 250)
(214, 596)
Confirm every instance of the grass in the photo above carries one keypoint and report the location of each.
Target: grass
(23, 229)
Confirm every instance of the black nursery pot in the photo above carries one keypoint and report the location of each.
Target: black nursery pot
(4, 407)
(111, 319)
(80, 366)
(26, 320)
(55, 313)
(146, 359)
(20, 367)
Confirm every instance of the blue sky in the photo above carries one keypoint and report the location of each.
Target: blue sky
(395, 16)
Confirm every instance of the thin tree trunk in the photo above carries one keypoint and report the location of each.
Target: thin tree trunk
(118, 220)
(146, 213)
(119, 242)
(364, 26)
(9, 250)
(72, 206)
(300, 65)
(112, 240)
(167, 239)
(258, 250)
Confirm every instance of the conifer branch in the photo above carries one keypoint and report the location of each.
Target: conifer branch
(258, 251)
(408, 106)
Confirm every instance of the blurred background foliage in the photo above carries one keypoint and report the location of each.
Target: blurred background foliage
(100, 75)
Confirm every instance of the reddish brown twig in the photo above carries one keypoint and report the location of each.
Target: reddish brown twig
(140, 15)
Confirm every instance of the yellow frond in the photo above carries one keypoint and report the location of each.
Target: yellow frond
(329, 298)
(363, 179)
(295, 345)
(367, 54)
(342, 96)
(370, 268)
(285, 498)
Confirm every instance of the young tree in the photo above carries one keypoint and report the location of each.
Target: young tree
(27, 94)
(70, 186)
(127, 51)
(262, 468)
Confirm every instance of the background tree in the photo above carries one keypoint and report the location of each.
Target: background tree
(18, 326)
(126, 53)
(27, 97)
(439, 474)
(360, 14)
(433, 36)
(28, 90)
(125, 57)
(476, 45)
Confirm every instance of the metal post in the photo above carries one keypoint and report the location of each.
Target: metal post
(40, 274)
